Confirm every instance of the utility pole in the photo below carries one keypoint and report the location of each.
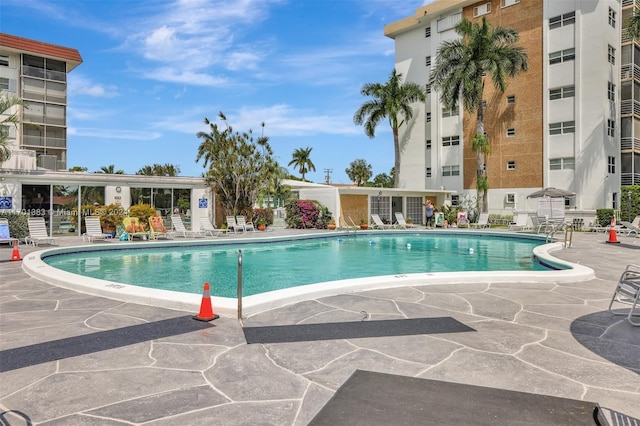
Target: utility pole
(327, 175)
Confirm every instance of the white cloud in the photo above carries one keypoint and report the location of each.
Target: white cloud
(81, 85)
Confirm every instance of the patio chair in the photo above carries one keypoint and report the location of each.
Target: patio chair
(93, 230)
(246, 226)
(133, 228)
(5, 234)
(521, 223)
(483, 221)
(631, 227)
(232, 225)
(379, 224)
(207, 227)
(38, 232)
(402, 222)
(157, 230)
(180, 229)
(628, 292)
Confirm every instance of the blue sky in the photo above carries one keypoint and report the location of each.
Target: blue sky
(153, 70)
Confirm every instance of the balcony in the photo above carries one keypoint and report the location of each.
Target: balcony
(629, 71)
(630, 144)
(629, 107)
(42, 73)
(40, 141)
(629, 179)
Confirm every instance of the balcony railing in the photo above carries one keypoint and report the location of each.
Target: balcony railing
(630, 143)
(626, 3)
(629, 71)
(40, 141)
(629, 179)
(42, 73)
(629, 107)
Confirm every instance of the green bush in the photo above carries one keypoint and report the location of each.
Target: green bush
(143, 212)
(264, 214)
(629, 206)
(604, 216)
(18, 225)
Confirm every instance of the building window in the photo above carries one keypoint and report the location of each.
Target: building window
(562, 20)
(511, 132)
(427, 32)
(562, 56)
(451, 140)
(511, 165)
(4, 61)
(611, 167)
(562, 92)
(611, 91)
(507, 3)
(511, 198)
(567, 163)
(481, 10)
(612, 17)
(428, 117)
(428, 173)
(455, 200)
(428, 89)
(450, 170)
(428, 144)
(611, 128)
(511, 99)
(562, 127)
(427, 61)
(611, 55)
(484, 104)
(449, 112)
(4, 83)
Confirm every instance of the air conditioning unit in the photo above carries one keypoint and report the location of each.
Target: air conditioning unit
(48, 162)
(511, 198)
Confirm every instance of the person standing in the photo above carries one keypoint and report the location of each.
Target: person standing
(429, 213)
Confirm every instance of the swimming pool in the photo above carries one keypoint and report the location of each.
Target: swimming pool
(374, 260)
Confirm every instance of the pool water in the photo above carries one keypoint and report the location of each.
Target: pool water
(277, 265)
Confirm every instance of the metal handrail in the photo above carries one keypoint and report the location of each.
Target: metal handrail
(239, 284)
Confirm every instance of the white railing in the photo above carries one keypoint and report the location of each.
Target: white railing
(629, 179)
(449, 22)
(630, 143)
(629, 107)
(629, 71)
(42, 73)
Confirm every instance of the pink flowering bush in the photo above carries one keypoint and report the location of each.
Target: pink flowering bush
(304, 214)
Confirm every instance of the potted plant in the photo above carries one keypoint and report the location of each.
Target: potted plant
(364, 224)
(261, 224)
(409, 220)
(332, 224)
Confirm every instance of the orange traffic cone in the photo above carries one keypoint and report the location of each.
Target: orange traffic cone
(206, 310)
(613, 236)
(16, 253)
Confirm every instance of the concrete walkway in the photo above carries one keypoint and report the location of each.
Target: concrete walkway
(71, 359)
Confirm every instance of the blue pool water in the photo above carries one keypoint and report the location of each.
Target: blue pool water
(277, 265)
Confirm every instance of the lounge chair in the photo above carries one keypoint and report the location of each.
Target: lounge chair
(346, 226)
(631, 227)
(246, 226)
(379, 224)
(483, 221)
(401, 221)
(208, 228)
(133, 228)
(5, 234)
(157, 230)
(232, 225)
(38, 232)
(628, 292)
(520, 223)
(181, 230)
(93, 230)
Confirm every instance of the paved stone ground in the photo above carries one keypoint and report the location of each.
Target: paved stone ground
(73, 359)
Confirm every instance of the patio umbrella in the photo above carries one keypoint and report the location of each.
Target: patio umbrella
(551, 193)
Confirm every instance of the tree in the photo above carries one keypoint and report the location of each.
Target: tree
(359, 171)
(302, 161)
(159, 170)
(78, 169)
(461, 68)
(633, 24)
(238, 165)
(110, 170)
(392, 100)
(382, 180)
(7, 119)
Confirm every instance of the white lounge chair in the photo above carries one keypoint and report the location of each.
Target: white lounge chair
(93, 230)
(483, 221)
(232, 225)
(38, 232)
(628, 292)
(401, 222)
(181, 230)
(631, 227)
(241, 221)
(521, 223)
(379, 224)
(5, 234)
(208, 228)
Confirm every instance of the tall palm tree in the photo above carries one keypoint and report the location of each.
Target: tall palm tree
(633, 24)
(392, 100)
(6, 103)
(461, 68)
(302, 161)
(110, 170)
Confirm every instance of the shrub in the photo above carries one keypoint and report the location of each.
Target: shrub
(265, 214)
(143, 212)
(305, 214)
(604, 216)
(18, 225)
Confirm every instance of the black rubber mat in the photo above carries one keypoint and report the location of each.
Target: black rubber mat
(353, 330)
(369, 398)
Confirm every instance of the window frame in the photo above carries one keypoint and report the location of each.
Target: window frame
(611, 54)
(562, 20)
(511, 165)
(561, 56)
(511, 132)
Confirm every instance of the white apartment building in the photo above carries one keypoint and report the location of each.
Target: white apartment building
(556, 125)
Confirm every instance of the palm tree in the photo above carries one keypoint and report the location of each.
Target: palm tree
(302, 161)
(393, 100)
(110, 170)
(633, 24)
(461, 67)
(6, 103)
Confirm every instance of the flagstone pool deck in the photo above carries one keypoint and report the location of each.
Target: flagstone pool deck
(67, 358)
